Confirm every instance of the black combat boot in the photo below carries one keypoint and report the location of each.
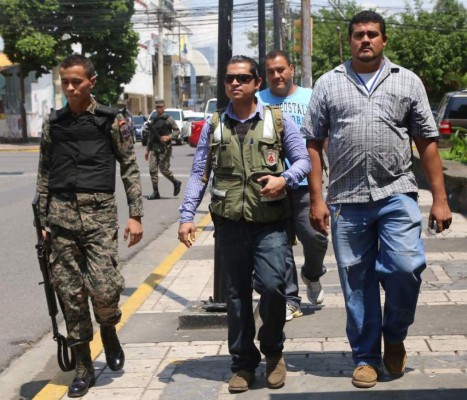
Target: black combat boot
(154, 195)
(177, 187)
(114, 354)
(84, 377)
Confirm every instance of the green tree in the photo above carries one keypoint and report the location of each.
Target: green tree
(431, 44)
(38, 34)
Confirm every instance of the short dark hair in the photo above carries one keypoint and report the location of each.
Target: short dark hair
(278, 53)
(78, 59)
(254, 69)
(367, 16)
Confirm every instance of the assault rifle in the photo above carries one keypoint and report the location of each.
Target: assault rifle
(65, 361)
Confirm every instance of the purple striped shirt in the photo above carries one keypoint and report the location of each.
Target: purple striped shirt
(294, 147)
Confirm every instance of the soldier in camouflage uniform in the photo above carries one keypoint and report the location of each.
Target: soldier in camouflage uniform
(159, 149)
(78, 212)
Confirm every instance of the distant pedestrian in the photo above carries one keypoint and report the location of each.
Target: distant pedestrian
(243, 145)
(159, 149)
(372, 110)
(294, 100)
(80, 145)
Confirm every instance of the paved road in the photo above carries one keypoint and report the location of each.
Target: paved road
(24, 319)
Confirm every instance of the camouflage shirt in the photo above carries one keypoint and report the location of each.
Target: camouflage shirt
(122, 145)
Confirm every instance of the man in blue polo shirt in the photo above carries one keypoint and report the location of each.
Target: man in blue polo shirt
(294, 101)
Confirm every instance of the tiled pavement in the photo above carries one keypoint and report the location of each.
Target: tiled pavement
(166, 363)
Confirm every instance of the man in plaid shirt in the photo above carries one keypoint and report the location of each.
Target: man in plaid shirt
(372, 110)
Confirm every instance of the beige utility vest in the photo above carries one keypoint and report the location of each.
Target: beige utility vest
(237, 167)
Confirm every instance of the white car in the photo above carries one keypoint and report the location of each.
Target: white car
(178, 115)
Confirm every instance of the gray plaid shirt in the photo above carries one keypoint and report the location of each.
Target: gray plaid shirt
(370, 147)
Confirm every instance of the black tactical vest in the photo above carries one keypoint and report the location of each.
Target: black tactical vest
(82, 156)
(161, 126)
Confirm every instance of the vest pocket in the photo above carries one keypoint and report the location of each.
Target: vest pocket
(266, 155)
(222, 156)
(227, 197)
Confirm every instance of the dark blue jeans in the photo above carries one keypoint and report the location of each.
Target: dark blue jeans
(253, 252)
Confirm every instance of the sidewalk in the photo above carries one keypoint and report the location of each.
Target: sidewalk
(165, 363)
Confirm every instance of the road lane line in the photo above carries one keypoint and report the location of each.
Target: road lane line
(56, 388)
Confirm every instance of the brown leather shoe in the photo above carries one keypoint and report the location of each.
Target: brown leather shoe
(395, 358)
(275, 371)
(241, 381)
(365, 376)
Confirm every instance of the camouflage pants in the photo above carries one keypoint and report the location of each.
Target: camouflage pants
(85, 266)
(160, 160)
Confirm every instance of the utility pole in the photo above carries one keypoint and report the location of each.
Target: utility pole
(160, 55)
(278, 43)
(339, 36)
(337, 8)
(224, 48)
(306, 44)
(262, 41)
(181, 70)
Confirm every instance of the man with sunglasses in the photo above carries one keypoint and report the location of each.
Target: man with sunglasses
(243, 147)
(159, 149)
(294, 100)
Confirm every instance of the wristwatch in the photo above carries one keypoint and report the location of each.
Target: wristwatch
(288, 181)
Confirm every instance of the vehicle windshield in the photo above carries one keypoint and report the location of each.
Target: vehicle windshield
(176, 115)
(138, 120)
(458, 108)
(211, 106)
(192, 119)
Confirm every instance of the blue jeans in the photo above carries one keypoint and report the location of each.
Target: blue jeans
(253, 252)
(314, 243)
(378, 242)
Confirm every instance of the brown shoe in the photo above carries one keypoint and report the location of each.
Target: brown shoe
(241, 381)
(365, 376)
(275, 371)
(395, 358)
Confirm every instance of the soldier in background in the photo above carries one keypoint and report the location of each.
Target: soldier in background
(78, 211)
(159, 149)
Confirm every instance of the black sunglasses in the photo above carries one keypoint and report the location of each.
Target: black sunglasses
(240, 78)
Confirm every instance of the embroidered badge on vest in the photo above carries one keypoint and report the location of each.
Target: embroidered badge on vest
(271, 157)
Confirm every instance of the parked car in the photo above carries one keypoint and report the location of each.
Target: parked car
(192, 116)
(452, 113)
(144, 133)
(196, 128)
(179, 117)
(211, 107)
(138, 122)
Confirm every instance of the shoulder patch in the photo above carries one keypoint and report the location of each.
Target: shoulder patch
(122, 126)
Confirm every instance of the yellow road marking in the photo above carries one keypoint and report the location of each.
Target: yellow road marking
(35, 150)
(56, 388)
